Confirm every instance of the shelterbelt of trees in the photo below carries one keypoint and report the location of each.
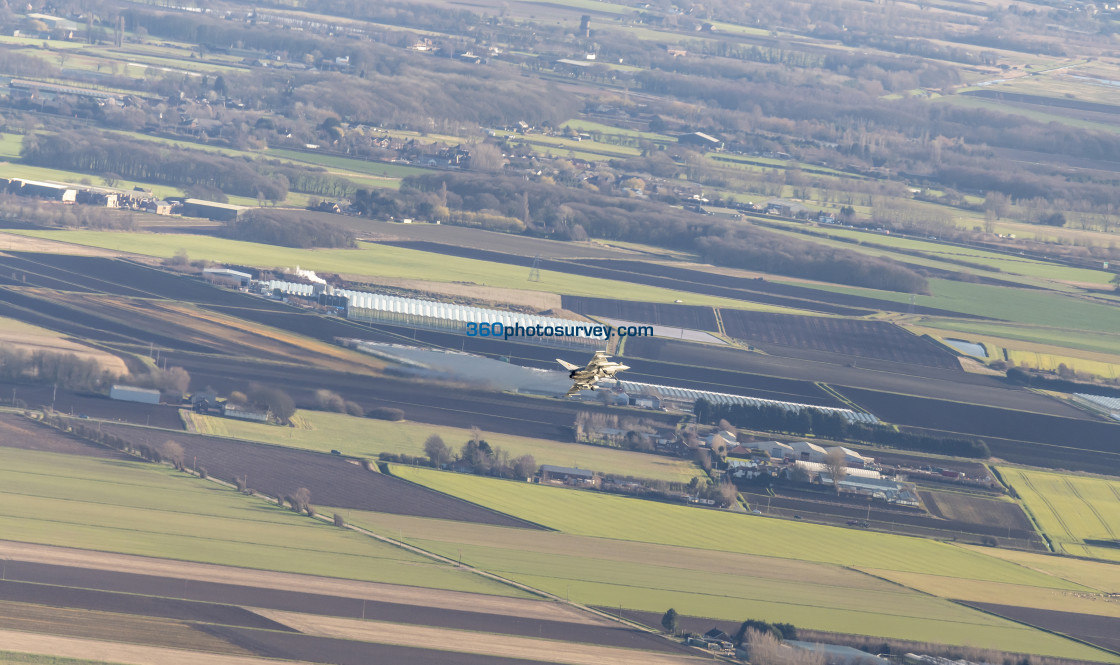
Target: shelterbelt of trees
(562, 212)
(202, 173)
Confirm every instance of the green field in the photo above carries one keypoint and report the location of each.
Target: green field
(1051, 338)
(372, 260)
(595, 514)
(613, 570)
(147, 509)
(1009, 265)
(1070, 508)
(363, 437)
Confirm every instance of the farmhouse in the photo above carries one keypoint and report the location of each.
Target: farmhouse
(134, 394)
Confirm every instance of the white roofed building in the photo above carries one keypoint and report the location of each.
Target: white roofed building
(809, 452)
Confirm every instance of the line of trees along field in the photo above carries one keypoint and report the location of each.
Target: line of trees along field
(197, 170)
(572, 214)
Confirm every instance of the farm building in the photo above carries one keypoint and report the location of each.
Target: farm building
(686, 397)
(646, 401)
(785, 208)
(700, 140)
(134, 394)
(878, 488)
(212, 210)
(817, 468)
(808, 452)
(728, 438)
(837, 655)
(852, 458)
(550, 472)
(44, 190)
(244, 413)
(372, 307)
(778, 450)
(243, 277)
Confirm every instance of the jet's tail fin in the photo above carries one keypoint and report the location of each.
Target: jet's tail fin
(567, 365)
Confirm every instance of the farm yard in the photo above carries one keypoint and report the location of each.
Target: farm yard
(1080, 514)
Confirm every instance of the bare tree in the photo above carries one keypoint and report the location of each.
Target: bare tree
(301, 500)
(486, 157)
(330, 401)
(172, 452)
(837, 465)
(524, 466)
(766, 649)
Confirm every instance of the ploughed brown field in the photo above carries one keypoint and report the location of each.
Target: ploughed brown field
(206, 609)
(1099, 630)
(333, 480)
(858, 338)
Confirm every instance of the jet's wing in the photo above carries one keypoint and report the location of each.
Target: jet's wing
(574, 390)
(600, 358)
(567, 365)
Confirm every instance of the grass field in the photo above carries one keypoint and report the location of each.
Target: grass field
(372, 260)
(1035, 354)
(1009, 265)
(608, 516)
(1101, 577)
(363, 437)
(1051, 340)
(730, 586)
(1071, 509)
(146, 509)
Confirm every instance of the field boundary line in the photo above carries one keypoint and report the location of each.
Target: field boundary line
(839, 396)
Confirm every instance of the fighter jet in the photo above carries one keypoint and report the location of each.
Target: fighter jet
(585, 378)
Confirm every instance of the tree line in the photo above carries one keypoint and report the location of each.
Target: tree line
(66, 370)
(265, 227)
(565, 213)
